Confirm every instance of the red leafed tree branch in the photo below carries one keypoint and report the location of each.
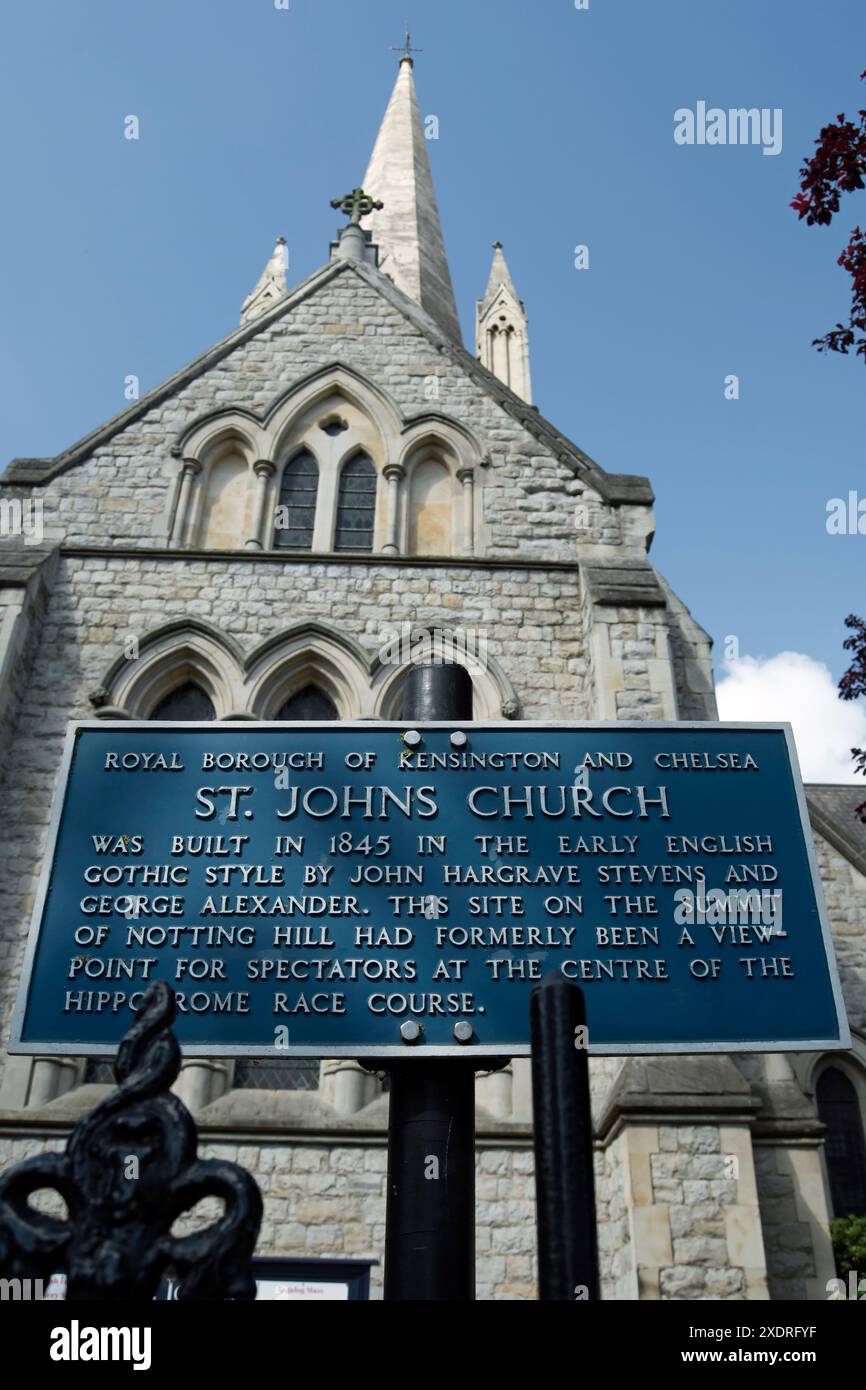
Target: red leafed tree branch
(853, 685)
(838, 166)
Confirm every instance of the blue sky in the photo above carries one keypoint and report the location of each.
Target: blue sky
(556, 129)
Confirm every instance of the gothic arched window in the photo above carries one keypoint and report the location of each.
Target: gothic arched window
(356, 505)
(309, 704)
(185, 703)
(296, 510)
(844, 1148)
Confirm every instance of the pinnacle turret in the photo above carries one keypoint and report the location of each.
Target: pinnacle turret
(271, 284)
(501, 329)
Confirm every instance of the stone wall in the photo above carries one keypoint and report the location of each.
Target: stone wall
(845, 895)
(616, 1264)
(328, 1199)
(799, 1259)
(703, 1175)
(631, 658)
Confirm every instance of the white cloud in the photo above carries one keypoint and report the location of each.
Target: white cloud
(794, 687)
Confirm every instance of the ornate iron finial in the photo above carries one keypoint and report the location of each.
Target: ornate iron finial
(129, 1171)
(407, 50)
(356, 205)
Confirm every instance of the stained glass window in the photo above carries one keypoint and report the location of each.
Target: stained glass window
(296, 511)
(844, 1148)
(356, 505)
(186, 702)
(309, 704)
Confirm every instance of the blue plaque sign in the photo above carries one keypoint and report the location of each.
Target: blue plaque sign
(374, 889)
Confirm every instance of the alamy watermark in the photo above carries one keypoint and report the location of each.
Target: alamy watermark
(846, 516)
(716, 907)
(433, 645)
(856, 1289)
(712, 125)
(78, 1343)
(22, 518)
(25, 1290)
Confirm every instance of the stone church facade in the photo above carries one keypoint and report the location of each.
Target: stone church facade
(247, 542)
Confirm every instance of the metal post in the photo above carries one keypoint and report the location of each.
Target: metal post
(565, 1191)
(430, 1226)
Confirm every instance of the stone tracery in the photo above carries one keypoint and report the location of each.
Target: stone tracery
(285, 480)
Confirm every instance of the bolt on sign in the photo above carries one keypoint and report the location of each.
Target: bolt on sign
(380, 890)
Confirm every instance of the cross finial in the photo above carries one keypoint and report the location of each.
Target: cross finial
(356, 205)
(407, 50)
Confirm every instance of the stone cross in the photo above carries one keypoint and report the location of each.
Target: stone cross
(356, 205)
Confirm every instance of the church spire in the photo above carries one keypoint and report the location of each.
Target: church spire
(501, 329)
(407, 229)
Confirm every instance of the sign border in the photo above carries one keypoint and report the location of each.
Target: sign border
(16, 1047)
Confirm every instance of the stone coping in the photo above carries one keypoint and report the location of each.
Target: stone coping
(623, 583)
(278, 557)
(19, 562)
(252, 1116)
(677, 1090)
(17, 1124)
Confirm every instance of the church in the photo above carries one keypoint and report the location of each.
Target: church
(274, 533)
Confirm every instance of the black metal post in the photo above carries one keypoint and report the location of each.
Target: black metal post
(565, 1190)
(430, 1212)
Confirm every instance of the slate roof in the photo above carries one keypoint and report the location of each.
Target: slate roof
(832, 811)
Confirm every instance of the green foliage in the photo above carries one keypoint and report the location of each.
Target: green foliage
(848, 1234)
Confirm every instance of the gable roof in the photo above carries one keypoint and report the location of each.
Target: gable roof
(614, 488)
(38, 471)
